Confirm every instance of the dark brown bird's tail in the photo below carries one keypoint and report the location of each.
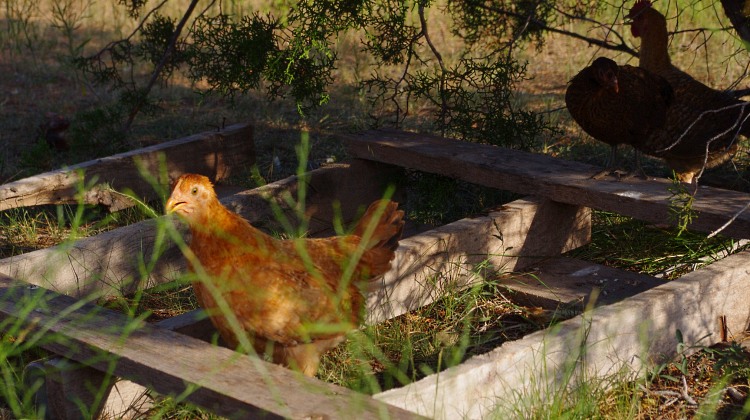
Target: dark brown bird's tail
(381, 226)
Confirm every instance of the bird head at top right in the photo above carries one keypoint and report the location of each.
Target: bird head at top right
(634, 17)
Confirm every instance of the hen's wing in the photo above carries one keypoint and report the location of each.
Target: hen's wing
(295, 291)
(285, 297)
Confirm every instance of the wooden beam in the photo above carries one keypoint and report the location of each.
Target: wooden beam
(430, 264)
(556, 179)
(111, 263)
(228, 383)
(72, 390)
(215, 154)
(632, 334)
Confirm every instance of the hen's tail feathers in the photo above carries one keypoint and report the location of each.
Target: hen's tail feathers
(386, 229)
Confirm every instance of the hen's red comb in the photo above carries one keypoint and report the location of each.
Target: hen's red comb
(639, 7)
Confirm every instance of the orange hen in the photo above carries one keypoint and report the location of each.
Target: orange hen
(293, 299)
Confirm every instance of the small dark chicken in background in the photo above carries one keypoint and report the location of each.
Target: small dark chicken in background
(618, 105)
(52, 129)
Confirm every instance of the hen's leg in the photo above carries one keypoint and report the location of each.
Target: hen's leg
(638, 170)
(611, 167)
(305, 357)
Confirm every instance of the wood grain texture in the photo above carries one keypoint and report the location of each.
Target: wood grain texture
(228, 383)
(541, 175)
(429, 265)
(215, 154)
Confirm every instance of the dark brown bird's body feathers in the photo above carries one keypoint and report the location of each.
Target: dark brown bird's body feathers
(622, 117)
(299, 296)
(626, 110)
(703, 123)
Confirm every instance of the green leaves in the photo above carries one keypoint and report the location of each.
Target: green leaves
(465, 74)
(231, 56)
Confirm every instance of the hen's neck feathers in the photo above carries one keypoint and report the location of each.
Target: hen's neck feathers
(654, 54)
(224, 226)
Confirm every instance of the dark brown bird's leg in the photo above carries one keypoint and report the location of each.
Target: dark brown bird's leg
(638, 170)
(611, 168)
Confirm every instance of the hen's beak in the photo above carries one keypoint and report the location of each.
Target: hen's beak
(172, 205)
(615, 85)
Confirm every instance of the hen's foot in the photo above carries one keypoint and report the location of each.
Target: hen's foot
(636, 173)
(615, 172)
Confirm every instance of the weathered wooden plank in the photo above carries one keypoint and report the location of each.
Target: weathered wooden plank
(631, 333)
(66, 390)
(440, 260)
(556, 179)
(214, 154)
(112, 262)
(228, 383)
(194, 324)
(569, 284)
(72, 390)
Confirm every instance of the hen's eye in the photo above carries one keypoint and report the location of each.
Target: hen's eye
(194, 191)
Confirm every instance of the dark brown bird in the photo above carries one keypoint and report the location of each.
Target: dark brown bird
(702, 123)
(618, 104)
(292, 299)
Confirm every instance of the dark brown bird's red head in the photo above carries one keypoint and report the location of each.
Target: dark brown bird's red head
(605, 73)
(638, 8)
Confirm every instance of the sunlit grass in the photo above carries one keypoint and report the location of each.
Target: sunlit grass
(630, 244)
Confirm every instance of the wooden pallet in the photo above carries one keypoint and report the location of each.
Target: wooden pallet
(522, 234)
(711, 302)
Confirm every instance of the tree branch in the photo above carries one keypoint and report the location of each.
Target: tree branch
(167, 55)
(132, 34)
(443, 71)
(542, 25)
